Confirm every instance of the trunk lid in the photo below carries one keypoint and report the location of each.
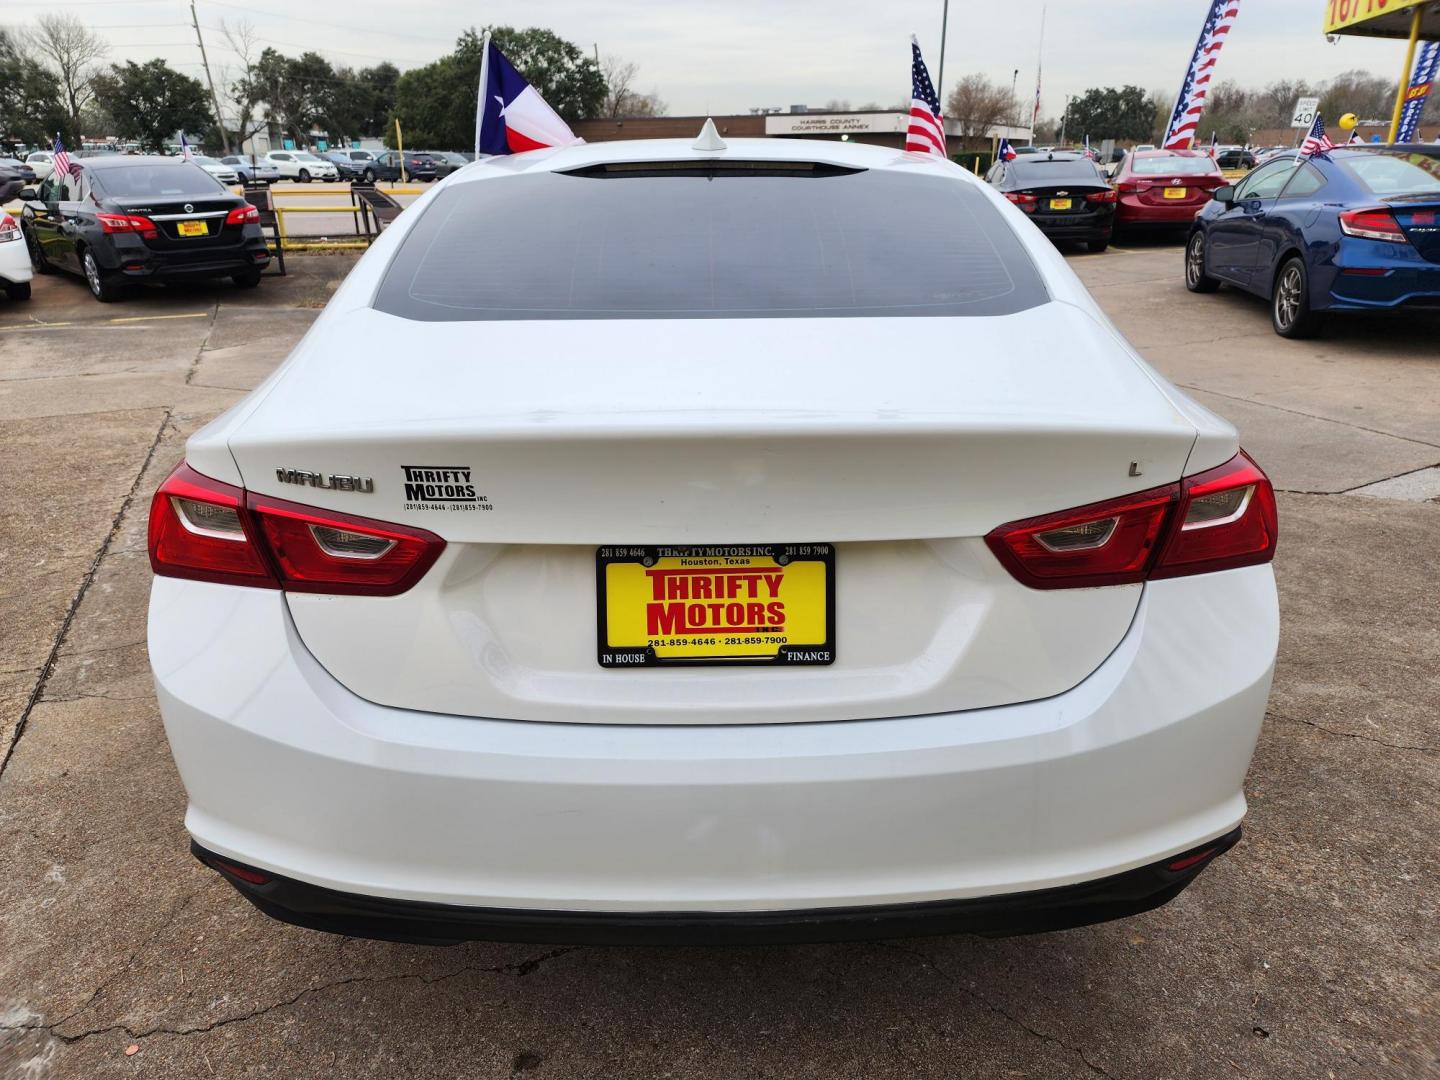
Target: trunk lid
(1420, 221)
(899, 441)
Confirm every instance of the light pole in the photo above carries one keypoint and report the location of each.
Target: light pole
(1064, 118)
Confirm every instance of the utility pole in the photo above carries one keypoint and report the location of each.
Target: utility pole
(1015, 101)
(1064, 119)
(205, 62)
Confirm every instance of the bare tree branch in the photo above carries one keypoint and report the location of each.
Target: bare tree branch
(73, 52)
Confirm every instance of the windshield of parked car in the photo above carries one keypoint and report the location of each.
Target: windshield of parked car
(180, 179)
(702, 242)
(308, 157)
(1396, 172)
(1173, 166)
(1031, 170)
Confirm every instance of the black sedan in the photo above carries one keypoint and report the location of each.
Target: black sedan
(1065, 195)
(120, 219)
(14, 175)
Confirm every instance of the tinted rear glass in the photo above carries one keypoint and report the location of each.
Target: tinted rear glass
(1173, 166)
(122, 181)
(1030, 170)
(686, 246)
(1396, 172)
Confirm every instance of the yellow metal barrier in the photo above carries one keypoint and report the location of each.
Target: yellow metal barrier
(286, 244)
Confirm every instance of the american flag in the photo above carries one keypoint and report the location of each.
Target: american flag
(63, 165)
(927, 128)
(1317, 142)
(1180, 134)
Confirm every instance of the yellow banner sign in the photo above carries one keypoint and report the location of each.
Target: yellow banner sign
(1341, 15)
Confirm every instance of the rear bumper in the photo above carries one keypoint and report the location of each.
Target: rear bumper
(1087, 227)
(1132, 213)
(571, 824)
(1115, 897)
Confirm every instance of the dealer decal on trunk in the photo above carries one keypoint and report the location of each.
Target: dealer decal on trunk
(442, 487)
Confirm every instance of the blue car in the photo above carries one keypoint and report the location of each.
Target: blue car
(1354, 230)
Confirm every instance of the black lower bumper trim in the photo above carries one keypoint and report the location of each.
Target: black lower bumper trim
(356, 915)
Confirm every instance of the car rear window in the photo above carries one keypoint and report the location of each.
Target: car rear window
(178, 180)
(1030, 169)
(688, 244)
(1173, 166)
(1396, 172)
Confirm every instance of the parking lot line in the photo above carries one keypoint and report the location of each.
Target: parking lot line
(115, 321)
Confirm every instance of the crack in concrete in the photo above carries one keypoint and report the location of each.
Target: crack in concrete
(1310, 416)
(48, 668)
(519, 968)
(1351, 734)
(209, 331)
(997, 1009)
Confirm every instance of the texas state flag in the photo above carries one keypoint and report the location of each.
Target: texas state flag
(1007, 152)
(511, 116)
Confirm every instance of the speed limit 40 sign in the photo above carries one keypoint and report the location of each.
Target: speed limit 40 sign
(1305, 110)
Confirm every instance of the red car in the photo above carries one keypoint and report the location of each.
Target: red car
(1164, 187)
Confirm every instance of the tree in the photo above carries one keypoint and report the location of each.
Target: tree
(977, 105)
(622, 100)
(1161, 105)
(1108, 113)
(150, 102)
(73, 52)
(1369, 97)
(31, 109)
(433, 113)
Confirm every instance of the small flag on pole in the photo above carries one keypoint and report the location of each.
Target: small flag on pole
(63, 165)
(1354, 137)
(186, 150)
(1214, 143)
(1006, 151)
(1316, 142)
(926, 133)
(510, 115)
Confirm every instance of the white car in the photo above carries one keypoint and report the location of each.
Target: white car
(226, 174)
(302, 166)
(729, 559)
(43, 162)
(15, 269)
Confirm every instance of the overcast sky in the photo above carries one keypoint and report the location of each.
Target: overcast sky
(708, 56)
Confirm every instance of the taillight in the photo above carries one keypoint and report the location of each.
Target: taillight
(209, 531)
(1020, 199)
(1227, 518)
(243, 215)
(128, 223)
(199, 528)
(9, 228)
(1132, 187)
(1215, 520)
(322, 551)
(1106, 196)
(1376, 224)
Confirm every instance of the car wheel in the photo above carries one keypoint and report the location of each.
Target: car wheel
(1196, 279)
(17, 290)
(369, 176)
(1097, 246)
(1290, 311)
(304, 176)
(103, 290)
(246, 279)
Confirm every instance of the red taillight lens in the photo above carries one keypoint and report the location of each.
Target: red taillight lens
(9, 227)
(128, 223)
(1227, 518)
(323, 551)
(1132, 187)
(1025, 202)
(209, 531)
(1378, 224)
(1215, 520)
(1106, 196)
(243, 215)
(200, 529)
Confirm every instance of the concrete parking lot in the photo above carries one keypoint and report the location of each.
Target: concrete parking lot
(1311, 950)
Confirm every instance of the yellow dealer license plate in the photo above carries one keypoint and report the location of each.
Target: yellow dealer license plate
(1174, 192)
(724, 605)
(193, 228)
(1059, 204)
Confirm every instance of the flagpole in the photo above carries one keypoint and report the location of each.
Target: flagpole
(944, 26)
(484, 81)
(1039, 67)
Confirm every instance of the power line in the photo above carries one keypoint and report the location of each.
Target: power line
(318, 22)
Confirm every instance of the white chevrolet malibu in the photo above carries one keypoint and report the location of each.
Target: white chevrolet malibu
(653, 543)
